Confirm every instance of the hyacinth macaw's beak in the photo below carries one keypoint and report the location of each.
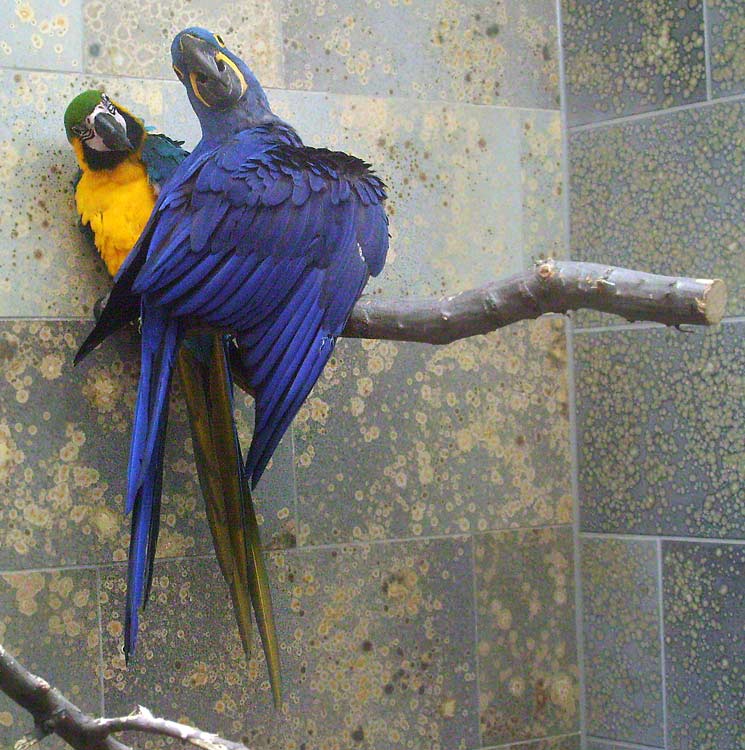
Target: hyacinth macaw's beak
(214, 77)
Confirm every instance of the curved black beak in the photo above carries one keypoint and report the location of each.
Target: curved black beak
(112, 132)
(216, 83)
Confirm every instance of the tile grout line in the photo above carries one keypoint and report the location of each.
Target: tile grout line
(477, 660)
(648, 325)
(661, 537)
(640, 116)
(53, 569)
(663, 666)
(623, 745)
(707, 49)
(100, 642)
(576, 540)
(288, 89)
(301, 548)
(571, 386)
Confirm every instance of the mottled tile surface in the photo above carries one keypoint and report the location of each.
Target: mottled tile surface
(409, 440)
(627, 57)
(727, 40)
(64, 443)
(136, 36)
(555, 743)
(526, 634)
(454, 180)
(623, 680)
(664, 195)
(660, 431)
(541, 160)
(483, 52)
(49, 622)
(376, 642)
(42, 34)
(704, 600)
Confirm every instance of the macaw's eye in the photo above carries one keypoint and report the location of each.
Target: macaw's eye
(79, 129)
(108, 104)
(178, 73)
(219, 40)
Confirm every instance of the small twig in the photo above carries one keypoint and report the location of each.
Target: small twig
(142, 720)
(55, 714)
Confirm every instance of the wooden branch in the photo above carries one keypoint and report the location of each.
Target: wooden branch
(551, 286)
(55, 714)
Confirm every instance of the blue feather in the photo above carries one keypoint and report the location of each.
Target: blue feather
(260, 233)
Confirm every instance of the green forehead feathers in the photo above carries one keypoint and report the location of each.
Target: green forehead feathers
(79, 108)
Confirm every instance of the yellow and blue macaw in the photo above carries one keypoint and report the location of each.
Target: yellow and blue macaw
(123, 167)
(255, 234)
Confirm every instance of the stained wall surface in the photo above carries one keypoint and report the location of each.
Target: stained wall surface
(656, 104)
(418, 517)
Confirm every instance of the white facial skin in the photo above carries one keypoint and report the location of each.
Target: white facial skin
(89, 136)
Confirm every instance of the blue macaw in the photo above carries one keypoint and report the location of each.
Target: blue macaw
(257, 235)
(123, 167)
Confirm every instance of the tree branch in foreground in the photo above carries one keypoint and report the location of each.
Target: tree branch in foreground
(55, 714)
(551, 286)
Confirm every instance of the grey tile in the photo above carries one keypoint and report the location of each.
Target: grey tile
(704, 598)
(664, 195)
(376, 644)
(528, 677)
(487, 53)
(49, 622)
(541, 159)
(136, 36)
(42, 34)
(727, 44)
(47, 269)
(620, 599)
(624, 58)
(454, 180)
(64, 442)
(660, 431)
(554, 743)
(454, 173)
(401, 440)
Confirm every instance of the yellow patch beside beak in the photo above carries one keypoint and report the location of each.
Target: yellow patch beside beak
(195, 89)
(220, 56)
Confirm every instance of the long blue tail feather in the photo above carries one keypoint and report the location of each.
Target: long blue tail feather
(160, 342)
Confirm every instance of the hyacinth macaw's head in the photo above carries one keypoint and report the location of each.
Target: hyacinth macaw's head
(102, 132)
(223, 91)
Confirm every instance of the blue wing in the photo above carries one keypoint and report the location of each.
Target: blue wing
(161, 157)
(275, 241)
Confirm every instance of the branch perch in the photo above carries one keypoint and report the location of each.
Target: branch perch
(55, 714)
(551, 286)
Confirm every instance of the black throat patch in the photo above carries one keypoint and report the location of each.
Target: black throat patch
(98, 160)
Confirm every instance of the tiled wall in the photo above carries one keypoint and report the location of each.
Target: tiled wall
(420, 523)
(656, 106)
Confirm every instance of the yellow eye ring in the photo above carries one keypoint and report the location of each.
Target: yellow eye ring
(219, 40)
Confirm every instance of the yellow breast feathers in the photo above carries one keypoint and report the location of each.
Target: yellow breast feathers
(116, 204)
